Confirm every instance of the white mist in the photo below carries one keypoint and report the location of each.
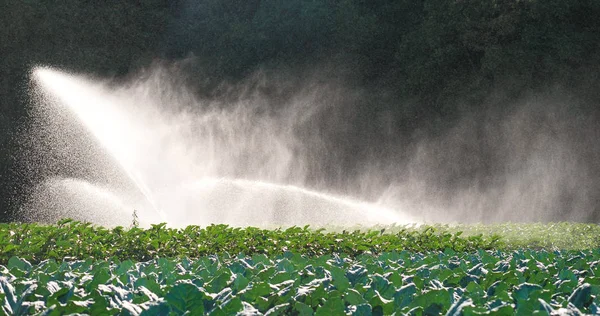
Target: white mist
(194, 162)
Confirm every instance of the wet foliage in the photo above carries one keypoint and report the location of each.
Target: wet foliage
(76, 240)
(456, 283)
(75, 267)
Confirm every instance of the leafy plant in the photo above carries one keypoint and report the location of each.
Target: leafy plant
(71, 239)
(481, 282)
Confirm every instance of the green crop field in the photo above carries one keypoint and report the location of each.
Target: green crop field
(502, 269)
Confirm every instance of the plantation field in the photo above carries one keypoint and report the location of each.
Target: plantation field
(404, 282)
(78, 268)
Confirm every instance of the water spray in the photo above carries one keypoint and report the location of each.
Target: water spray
(208, 164)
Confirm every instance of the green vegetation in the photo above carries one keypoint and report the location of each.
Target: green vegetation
(75, 267)
(75, 240)
(475, 283)
(550, 236)
(514, 236)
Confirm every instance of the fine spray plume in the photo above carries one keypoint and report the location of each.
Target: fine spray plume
(536, 160)
(257, 156)
(180, 159)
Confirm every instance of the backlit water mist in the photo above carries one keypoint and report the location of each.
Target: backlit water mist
(188, 162)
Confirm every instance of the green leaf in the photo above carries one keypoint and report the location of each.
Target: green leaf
(378, 302)
(123, 267)
(476, 293)
(395, 278)
(184, 298)
(10, 298)
(352, 297)
(404, 296)
(100, 305)
(546, 307)
(363, 310)
(433, 301)
(333, 306)
(582, 296)
(525, 290)
(285, 265)
(339, 279)
(239, 283)
(157, 309)
(19, 264)
(143, 294)
(232, 306)
(149, 284)
(221, 281)
(62, 296)
(278, 309)
(303, 309)
(100, 276)
(257, 290)
(383, 286)
(357, 274)
(457, 307)
(72, 307)
(280, 277)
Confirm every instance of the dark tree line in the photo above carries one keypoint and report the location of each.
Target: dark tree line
(446, 56)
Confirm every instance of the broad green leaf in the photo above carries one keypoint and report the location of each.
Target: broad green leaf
(285, 265)
(525, 290)
(100, 305)
(157, 309)
(582, 296)
(546, 307)
(72, 307)
(405, 295)
(362, 310)
(476, 293)
(239, 283)
(143, 294)
(256, 290)
(383, 286)
(303, 309)
(339, 279)
(123, 267)
(333, 306)
(62, 296)
(357, 274)
(149, 284)
(231, 306)
(101, 276)
(280, 309)
(529, 306)
(20, 264)
(9, 304)
(280, 277)
(379, 302)
(221, 281)
(131, 308)
(185, 297)
(352, 297)
(433, 300)
(504, 310)
(457, 307)
(395, 278)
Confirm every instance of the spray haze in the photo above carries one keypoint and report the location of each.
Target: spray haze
(201, 162)
(536, 162)
(254, 156)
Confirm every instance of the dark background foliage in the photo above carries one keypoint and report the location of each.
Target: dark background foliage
(442, 58)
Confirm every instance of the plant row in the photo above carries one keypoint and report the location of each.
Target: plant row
(76, 240)
(483, 282)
